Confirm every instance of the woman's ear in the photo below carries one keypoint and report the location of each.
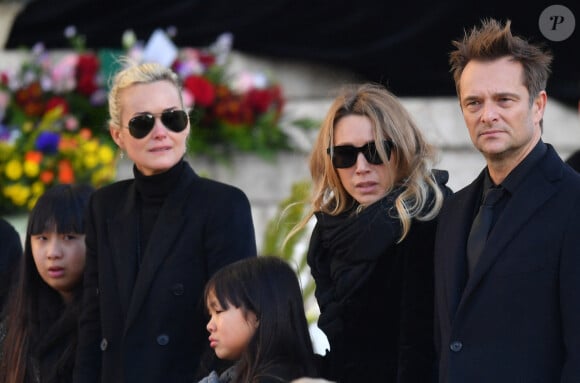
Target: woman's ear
(116, 135)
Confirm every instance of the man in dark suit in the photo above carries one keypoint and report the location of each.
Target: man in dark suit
(507, 274)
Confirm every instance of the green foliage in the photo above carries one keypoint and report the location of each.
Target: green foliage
(291, 211)
(307, 123)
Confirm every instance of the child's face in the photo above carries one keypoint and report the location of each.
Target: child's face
(59, 259)
(230, 330)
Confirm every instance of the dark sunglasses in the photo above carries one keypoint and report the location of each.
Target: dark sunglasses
(344, 156)
(174, 120)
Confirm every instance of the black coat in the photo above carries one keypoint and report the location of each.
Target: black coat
(517, 318)
(10, 254)
(154, 331)
(375, 295)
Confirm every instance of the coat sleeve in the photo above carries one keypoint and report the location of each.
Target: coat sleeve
(569, 302)
(88, 358)
(229, 231)
(416, 363)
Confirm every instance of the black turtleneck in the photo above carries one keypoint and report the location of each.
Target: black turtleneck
(152, 192)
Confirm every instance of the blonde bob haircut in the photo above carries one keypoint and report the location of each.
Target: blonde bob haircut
(421, 198)
(132, 74)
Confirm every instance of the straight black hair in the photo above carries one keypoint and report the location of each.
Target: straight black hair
(268, 287)
(36, 317)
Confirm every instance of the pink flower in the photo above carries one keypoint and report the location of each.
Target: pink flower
(71, 123)
(63, 73)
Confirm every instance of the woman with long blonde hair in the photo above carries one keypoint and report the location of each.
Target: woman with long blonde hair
(375, 198)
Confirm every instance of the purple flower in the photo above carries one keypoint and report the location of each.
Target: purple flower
(47, 142)
(4, 133)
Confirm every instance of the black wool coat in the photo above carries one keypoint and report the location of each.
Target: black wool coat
(516, 318)
(150, 327)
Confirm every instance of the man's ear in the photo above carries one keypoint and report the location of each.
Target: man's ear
(539, 106)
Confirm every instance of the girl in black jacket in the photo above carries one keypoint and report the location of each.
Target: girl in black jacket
(39, 332)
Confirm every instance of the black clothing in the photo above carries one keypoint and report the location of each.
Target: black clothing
(375, 295)
(152, 244)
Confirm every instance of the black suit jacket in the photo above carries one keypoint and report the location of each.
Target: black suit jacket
(517, 318)
(150, 327)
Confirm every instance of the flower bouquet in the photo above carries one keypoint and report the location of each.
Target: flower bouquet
(230, 111)
(53, 112)
(52, 115)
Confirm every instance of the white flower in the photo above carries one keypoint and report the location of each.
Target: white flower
(70, 32)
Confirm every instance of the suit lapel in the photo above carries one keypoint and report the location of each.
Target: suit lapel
(537, 187)
(167, 229)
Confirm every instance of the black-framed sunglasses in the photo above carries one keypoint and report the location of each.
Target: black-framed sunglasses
(175, 120)
(344, 156)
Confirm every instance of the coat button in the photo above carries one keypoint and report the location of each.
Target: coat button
(177, 289)
(104, 344)
(456, 346)
(163, 340)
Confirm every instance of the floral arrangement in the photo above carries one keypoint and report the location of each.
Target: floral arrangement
(52, 114)
(230, 112)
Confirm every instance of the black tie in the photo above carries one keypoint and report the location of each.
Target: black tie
(481, 226)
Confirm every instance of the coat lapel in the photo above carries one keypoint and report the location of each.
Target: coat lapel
(124, 235)
(537, 187)
(455, 261)
(164, 238)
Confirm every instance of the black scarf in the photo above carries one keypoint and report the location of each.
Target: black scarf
(343, 252)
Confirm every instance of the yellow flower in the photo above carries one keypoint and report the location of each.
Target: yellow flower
(13, 170)
(32, 202)
(27, 126)
(18, 193)
(31, 169)
(90, 146)
(106, 154)
(91, 160)
(38, 188)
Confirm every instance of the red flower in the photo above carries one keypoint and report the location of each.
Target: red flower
(46, 176)
(86, 74)
(66, 174)
(234, 110)
(56, 102)
(33, 156)
(31, 93)
(207, 59)
(261, 100)
(202, 90)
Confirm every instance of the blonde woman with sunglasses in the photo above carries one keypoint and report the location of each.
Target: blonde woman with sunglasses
(153, 242)
(375, 199)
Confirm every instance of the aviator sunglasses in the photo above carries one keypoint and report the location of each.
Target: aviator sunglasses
(174, 120)
(344, 156)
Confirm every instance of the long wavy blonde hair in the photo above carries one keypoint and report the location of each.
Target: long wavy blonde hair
(421, 198)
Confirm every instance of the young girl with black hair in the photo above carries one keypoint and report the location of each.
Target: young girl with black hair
(257, 319)
(38, 334)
